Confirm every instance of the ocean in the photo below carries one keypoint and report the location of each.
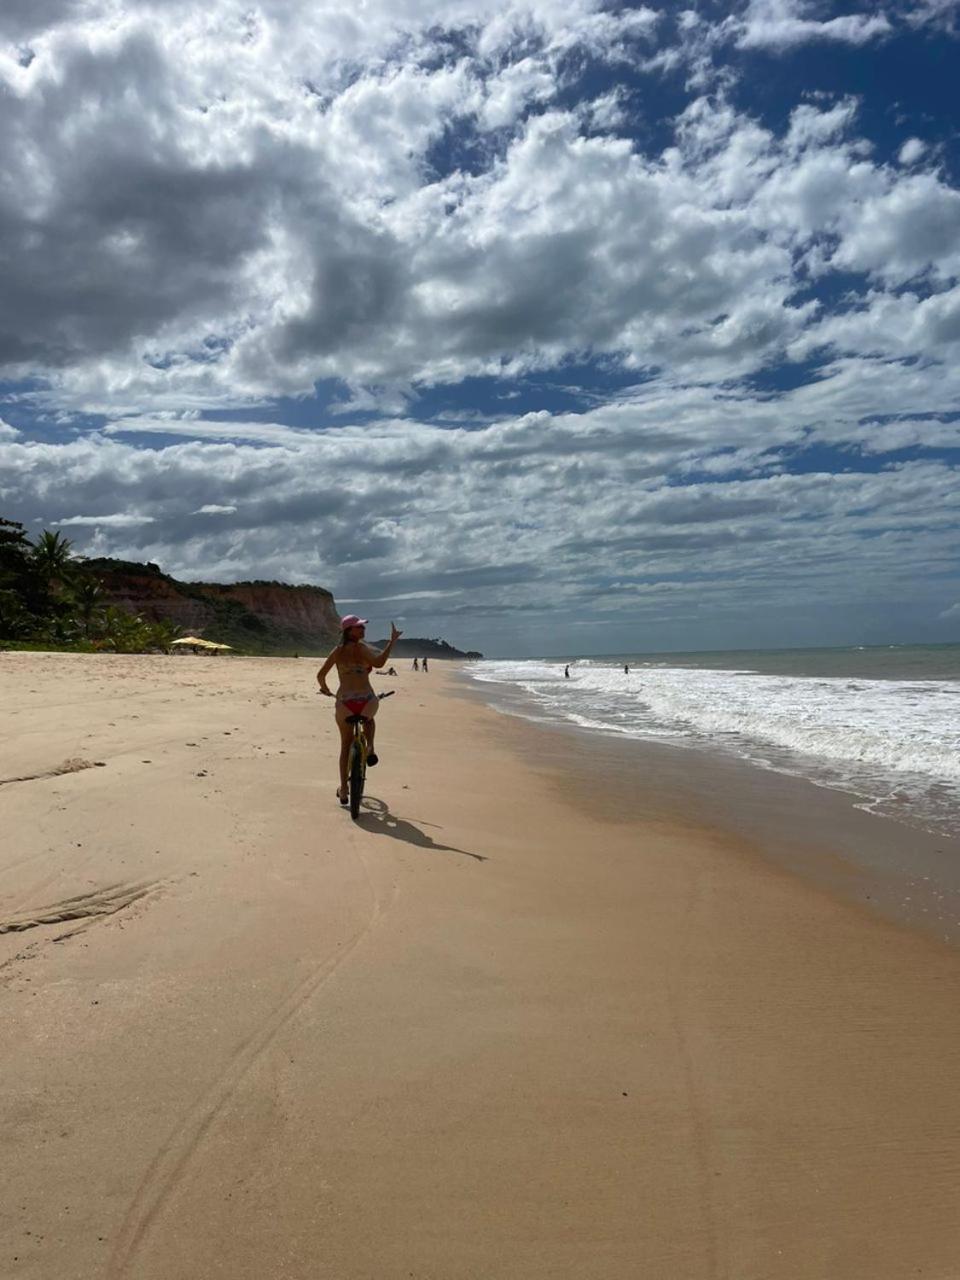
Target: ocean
(880, 723)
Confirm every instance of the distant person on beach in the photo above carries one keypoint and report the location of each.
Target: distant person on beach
(354, 660)
(425, 667)
(626, 669)
(566, 673)
(416, 665)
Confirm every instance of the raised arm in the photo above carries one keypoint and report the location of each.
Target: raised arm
(379, 659)
(325, 671)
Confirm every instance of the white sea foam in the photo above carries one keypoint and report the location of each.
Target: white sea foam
(896, 742)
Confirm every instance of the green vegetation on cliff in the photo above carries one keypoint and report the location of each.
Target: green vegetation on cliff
(49, 598)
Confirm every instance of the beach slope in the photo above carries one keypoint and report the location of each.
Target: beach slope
(487, 1031)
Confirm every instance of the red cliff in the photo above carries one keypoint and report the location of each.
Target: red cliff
(258, 617)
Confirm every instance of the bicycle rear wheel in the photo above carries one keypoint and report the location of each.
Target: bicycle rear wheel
(357, 772)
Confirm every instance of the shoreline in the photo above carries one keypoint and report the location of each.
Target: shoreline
(823, 833)
(868, 729)
(501, 1026)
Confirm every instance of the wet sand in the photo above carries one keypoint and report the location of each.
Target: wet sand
(493, 1029)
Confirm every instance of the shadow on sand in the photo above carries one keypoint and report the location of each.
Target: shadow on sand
(375, 816)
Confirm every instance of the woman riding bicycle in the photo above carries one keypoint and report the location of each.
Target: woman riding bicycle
(354, 660)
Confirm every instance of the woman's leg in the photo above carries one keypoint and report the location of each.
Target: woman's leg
(371, 728)
(346, 739)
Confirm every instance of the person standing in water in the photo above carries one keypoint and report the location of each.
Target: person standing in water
(566, 672)
(354, 660)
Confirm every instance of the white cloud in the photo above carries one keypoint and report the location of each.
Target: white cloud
(114, 520)
(942, 15)
(607, 113)
(513, 89)
(400, 595)
(911, 151)
(214, 509)
(880, 324)
(782, 24)
(812, 126)
(7, 432)
(912, 226)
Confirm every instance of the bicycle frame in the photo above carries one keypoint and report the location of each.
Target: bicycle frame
(357, 761)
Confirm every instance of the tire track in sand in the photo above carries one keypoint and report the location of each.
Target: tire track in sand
(701, 1137)
(169, 1166)
(75, 764)
(105, 901)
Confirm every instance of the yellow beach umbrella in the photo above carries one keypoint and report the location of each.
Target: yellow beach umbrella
(196, 642)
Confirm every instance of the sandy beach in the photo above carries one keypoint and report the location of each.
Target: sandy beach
(495, 1029)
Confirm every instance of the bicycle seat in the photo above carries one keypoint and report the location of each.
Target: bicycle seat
(355, 719)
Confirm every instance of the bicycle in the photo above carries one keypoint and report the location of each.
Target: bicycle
(357, 764)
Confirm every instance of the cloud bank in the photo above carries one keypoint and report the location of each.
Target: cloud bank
(742, 322)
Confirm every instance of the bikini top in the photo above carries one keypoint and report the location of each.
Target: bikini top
(355, 668)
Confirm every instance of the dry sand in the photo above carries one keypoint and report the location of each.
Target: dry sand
(484, 1032)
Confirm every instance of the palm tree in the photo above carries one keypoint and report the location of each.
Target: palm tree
(162, 634)
(16, 617)
(14, 549)
(53, 560)
(88, 599)
(123, 632)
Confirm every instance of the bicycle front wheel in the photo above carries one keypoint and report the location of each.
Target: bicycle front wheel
(357, 772)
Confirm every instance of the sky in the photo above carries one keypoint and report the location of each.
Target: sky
(545, 326)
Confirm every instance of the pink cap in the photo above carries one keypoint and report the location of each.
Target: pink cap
(351, 620)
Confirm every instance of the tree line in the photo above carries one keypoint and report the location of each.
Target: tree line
(48, 597)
